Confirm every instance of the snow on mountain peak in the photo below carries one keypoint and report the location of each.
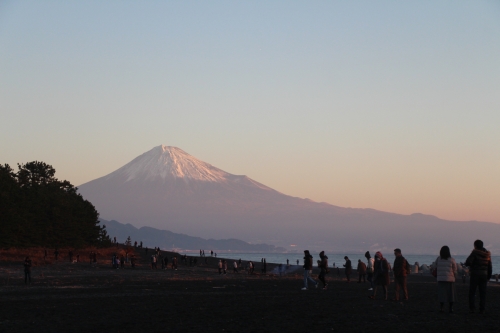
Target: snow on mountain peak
(170, 162)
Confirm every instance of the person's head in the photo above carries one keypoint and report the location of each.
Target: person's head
(444, 253)
(478, 244)
(306, 252)
(378, 255)
(367, 255)
(397, 252)
(346, 258)
(322, 254)
(359, 260)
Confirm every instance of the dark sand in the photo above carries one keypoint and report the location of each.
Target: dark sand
(80, 298)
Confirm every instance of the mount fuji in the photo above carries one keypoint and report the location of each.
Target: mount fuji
(166, 188)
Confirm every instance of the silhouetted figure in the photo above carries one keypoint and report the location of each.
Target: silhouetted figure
(348, 269)
(308, 266)
(479, 263)
(27, 270)
(446, 270)
(297, 262)
(122, 262)
(219, 266)
(239, 263)
(174, 263)
(132, 261)
(380, 274)
(369, 268)
(323, 265)
(224, 266)
(141, 245)
(361, 271)
(401, 269)
(211, 253)
(235, 267)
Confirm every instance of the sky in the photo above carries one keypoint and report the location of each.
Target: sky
(391, 105)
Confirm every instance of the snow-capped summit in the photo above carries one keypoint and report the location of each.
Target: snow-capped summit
(166, 162)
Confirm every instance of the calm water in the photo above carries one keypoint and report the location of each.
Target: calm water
(338, 259)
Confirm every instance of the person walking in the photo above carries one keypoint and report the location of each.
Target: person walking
(446, 268)
(323, 265)
(479, 262)
(369, 268)
(380, 275)
(27, 270)
(308, 266)
(348, 269)
(401, 270)
(361, 271)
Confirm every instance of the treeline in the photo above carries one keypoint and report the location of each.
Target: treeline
(37, 209)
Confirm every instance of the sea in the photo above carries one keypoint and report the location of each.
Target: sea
(337, 260)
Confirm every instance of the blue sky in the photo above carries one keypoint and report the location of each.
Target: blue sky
(389, 105)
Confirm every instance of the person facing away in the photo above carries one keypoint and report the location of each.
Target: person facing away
(480, 270)
(27, 270)
(308, 266)
(348, 269)
(446, 268)
(380, 275)
(361, 271)
(401, 270)
(323, 265)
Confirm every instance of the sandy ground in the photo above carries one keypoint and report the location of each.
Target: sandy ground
(76, 297)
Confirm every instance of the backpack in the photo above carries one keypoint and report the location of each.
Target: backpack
(407, 267)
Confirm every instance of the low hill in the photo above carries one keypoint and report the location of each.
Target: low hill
(168, 240)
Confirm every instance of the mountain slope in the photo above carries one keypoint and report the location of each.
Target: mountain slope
(166, 188)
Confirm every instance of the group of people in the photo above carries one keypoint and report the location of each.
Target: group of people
(376, 270)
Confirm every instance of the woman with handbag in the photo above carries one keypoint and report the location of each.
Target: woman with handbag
(446, 270)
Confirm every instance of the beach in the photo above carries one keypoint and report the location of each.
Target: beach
(79, 297)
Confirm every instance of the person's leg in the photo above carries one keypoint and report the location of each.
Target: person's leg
(472, 292)
(397, 283)
(482, 293)
(405, 287)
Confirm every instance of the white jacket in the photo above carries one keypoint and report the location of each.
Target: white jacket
(446, 269)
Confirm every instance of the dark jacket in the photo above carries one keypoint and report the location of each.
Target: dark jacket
(324, 262)
(381, 272)
(308, 261)
(27, 265)
(479, 262)
(348, 267)
(400, 267)
(361, 268)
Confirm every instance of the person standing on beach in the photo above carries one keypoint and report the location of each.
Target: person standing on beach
(308, 266)
(348, 269)
(323, 265)
(401, 270)
(380, 275)
(174, 263)
(235, 267)
(219, 265)
(27, 270)
(479, 262)
(361, 271)
(446, 269)
(369, 268)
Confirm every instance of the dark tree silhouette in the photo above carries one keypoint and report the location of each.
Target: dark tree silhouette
(37, 209)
